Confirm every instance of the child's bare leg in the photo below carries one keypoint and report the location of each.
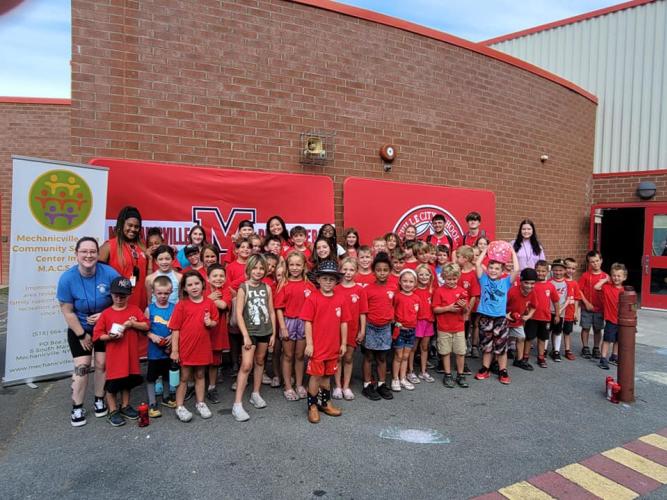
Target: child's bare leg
(502, 360)
(460, 363)
(348, 361)
(597, 338)
(404, 362)
(396, 364)
(339, 373)
(519, 349)
(605, 349)
(423, 358)
(584, 337)
(366, 366)
(212, 376)
(111, 402)
(260, 357)
(288, 359)
(277, 359)
(298, 361)
(314, 385)
(540, 348)
(411, 359)
(381, 360)
(247, 357)
(200, 383)
(447, 363)
(486, 359)
(615, 349)
(186, 373)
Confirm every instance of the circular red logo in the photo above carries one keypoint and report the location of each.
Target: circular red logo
(420, 217)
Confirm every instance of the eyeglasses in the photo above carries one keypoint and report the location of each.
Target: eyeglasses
(87, 252)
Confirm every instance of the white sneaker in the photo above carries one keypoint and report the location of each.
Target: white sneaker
(426, 377)
(406, 384)
(266, 380)
(395, 386)
(239, 413)
(257, 401)
(348, 394)
(337, 393)
(183, 414)
(100, 407)
(412, 378)
(203, 410)
(234, 386)
(78, 417)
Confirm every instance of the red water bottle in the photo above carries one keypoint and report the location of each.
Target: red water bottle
(143, 415)
(615, 391)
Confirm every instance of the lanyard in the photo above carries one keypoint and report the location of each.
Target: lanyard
(85, 293)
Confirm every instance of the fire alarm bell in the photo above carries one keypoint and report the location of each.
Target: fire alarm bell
(388, 153)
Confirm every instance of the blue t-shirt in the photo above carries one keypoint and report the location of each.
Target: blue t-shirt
(493, 299)
(159, 318)
(88, 295)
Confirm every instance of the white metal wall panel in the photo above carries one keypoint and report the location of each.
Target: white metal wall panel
(619, 57)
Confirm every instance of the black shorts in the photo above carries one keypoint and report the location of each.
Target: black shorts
(568, 327)
(158, 368)
(116, 385)
(556, 328)
(536, 329)
(78, 351)
(264, 339)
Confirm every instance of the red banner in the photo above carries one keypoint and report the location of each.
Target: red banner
(175, 197)
(377, 207)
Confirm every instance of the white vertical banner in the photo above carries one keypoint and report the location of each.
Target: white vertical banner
(53, 205)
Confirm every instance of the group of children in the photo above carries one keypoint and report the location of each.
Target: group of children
(404, 297)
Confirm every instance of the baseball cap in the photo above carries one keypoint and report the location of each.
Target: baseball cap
(121, 286)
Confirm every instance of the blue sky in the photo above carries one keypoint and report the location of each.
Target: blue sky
(35, 36)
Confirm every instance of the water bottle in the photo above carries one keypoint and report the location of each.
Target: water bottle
(143, 415)
(174, 374)
(158, 386)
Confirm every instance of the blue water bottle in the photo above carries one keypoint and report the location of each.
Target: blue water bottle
(174, 374)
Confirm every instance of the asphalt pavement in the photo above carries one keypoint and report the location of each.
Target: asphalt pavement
(469, 441)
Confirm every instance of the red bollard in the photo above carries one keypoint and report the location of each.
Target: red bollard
(627, 323)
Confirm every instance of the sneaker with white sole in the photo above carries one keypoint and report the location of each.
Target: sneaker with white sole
(348, 395)
(78, 417)
(203, 410)
(266, 380)
(395, 386)
(257, 401)
(100, 407)
(426, 377)
(407, 385)
(183, 414)
(337, 393)
(413, 379)
(239, 414)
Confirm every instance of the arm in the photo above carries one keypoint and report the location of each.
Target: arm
(174, 345)
(479, 267)
(598, 286)
(308, 327)
(148, 283)
(272, 315)
(529, 314)
(362, 328)
(240, 305)
(282, 326)
(515, 262)
(343, 338)
(103, 256)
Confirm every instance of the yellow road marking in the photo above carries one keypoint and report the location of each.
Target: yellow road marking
(655, 440)
(524, 491)
(638, 463)
(596, 483)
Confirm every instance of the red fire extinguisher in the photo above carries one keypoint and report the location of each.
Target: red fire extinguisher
(143, 415)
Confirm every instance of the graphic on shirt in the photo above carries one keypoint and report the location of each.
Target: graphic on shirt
(60, 200)
(420, 217)
(390, 294)
(102, 288)
(338, 312)
(493, 293)
(257, 310)
(354, 297)
(307, 292)
(160, 320)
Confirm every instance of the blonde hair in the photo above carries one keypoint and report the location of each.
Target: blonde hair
(420, 247)
(253, 260)
(466, 252)
(427, 268)
(451, 269)
(617, 266)
(286, 276)
(349, 260)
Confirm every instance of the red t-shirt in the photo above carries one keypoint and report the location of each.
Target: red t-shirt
(426, 298)
(545, 294)
(235, 271)
(610, 297)
(380, 304)
(291, 296)
(122, 354)
(411, 265)
(194, 339)
(587, 283)
(364, 279)
(307, 252)
(326, 314)
(270, 282)
(220, 333)
(392, 280)
(444, 240)
(573, 294)
(357, 303)
(469, 282)
(406, 309)
(228, 258)
(449, 322)
(518, 304)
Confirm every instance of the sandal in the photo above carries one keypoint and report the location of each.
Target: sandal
(290, 395)
(275, 382)
(301, 391)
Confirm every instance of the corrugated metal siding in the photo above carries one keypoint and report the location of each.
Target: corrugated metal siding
(619, 57)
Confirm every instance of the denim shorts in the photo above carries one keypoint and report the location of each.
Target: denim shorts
(405, 339)
(610, 332)
(591, 319)
(296, 329)
(378, 338)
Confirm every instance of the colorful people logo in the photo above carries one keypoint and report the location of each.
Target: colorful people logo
(60, 200)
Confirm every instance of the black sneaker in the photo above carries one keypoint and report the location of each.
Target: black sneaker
(439, 368)
(613, 360)
(466, 369)
(474, 352)
(448, 381)
(100, 407)
(494, 368)
(586, 352)
(189, 393)
(385, 392)
(212, 396)
(555, 355)
(116, 419)
(525, 365)
(604, 364)
(596, 353)
(78, 417)
(129, 412)
(461, 381)
(370, 392)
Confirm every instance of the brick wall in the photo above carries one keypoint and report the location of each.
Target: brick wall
(39, 130)
(623, 189)
(234, 83)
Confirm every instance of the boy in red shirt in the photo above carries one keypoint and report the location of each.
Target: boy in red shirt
(538, 326)
(118, 327)
(364, 275)
(465, 258)
(325, 314)
(235, 271)
(591, 314)
(520, 308)
(298, 235)
(611, 288)
(397, 264)
(411, 261)
(450, 303)
(572, 312)
(379, 245)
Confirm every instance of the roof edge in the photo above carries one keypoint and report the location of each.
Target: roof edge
(480, 48)
(569, 20)
(35, 100)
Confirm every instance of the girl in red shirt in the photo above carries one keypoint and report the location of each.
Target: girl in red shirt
(355, 297)
(406, 310)
(191, 322)
(424, 330)
(351, 242)
(290, 297)
(219, 292)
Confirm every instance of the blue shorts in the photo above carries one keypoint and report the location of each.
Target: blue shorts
(591, 319)
(378, 338)
(405, 339)
(610, 332)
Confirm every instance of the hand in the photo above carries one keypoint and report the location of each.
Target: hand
(86, 342)
(525, 317)
(343, 348)
(207, 319)
(247, 343)
(156, 339)
(360, 337)
(116, 336)
(174, 356)
(272, 341)
(461, 303)
(167, 341)
(92, 319)
(284, 334)
(589, 307)
(215, 295)
(309, 350)
(129, 323)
